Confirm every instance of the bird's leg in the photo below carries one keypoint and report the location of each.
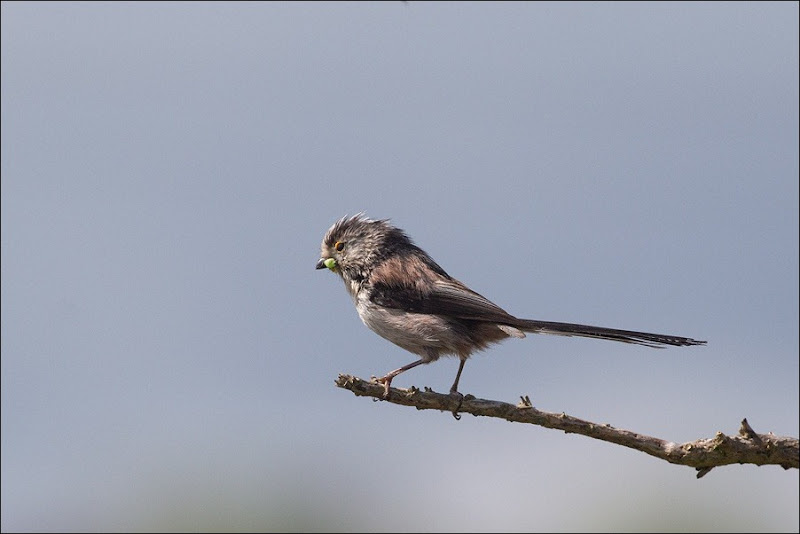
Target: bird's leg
(387, 380)
(454, 388)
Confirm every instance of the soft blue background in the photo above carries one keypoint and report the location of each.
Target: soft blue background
(168, 171)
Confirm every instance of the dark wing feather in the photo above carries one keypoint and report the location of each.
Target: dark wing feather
(443, 296)
(451, 297)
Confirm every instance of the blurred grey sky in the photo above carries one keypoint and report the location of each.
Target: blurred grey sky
(169, 169)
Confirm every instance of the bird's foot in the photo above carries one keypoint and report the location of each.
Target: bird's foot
(386, 381)
(454, 393)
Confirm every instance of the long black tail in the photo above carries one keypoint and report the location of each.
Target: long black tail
(626, 336)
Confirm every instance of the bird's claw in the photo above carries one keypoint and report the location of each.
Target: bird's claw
(457, 415)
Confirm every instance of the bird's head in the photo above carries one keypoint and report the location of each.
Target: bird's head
(353, 246)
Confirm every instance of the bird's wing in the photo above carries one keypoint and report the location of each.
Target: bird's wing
(416, 290)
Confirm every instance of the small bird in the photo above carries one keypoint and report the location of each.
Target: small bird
(401, 294)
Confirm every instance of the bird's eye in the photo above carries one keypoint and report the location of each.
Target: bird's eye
(339, 246)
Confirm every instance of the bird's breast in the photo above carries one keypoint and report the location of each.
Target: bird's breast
(426, 335)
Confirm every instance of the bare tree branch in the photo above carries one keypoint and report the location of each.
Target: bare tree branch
(704, 454)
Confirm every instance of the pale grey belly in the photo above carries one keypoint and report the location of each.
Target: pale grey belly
(429, 336)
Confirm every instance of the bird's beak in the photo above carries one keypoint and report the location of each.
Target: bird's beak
(330, 263)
